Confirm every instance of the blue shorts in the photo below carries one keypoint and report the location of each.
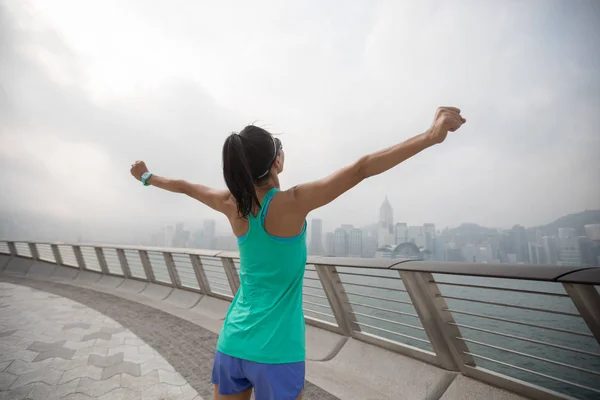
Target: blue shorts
(270, 381)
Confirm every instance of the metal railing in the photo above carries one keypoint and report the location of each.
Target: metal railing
(534, 330)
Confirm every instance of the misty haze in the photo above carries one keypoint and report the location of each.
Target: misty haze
(90, 87)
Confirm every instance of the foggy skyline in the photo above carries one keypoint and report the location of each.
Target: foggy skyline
(88, 88)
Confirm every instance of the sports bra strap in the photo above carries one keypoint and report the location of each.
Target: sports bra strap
(265, 205)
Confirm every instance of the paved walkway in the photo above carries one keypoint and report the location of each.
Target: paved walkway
(63, 342)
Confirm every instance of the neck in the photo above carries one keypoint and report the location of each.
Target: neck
(264, 187)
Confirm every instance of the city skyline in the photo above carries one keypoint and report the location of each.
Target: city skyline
(388, 238)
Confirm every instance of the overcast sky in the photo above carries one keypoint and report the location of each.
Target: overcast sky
(88, 87)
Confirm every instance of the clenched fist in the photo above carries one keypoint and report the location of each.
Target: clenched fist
(447, 119)
(137, 169)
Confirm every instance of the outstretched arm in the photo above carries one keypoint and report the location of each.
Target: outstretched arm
(310, 196)
(216, 199)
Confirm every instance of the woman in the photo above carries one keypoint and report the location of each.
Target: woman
(262, 344)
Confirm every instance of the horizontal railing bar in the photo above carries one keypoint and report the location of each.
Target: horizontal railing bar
(558, 346)
(493, 303)
(386, 320)
(397, 278)
(394, 333)
(311, 278)
(213, 268)
(500, 288)
(491, 346)
(518, 322)
(319, 313)
(316, 304)
(220, 276)
(532, 372)
(374, 287)
(219, 286)
(313, 287)
(314, 295)
(378, 298)
(382, 309)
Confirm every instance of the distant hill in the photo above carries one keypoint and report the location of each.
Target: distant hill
(470, 229)
(575, 221)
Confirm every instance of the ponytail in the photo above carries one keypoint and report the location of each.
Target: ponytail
(238, 175)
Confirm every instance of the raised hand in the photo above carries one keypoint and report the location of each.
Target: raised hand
(137, 169)
(447, 119)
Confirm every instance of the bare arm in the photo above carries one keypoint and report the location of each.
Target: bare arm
(310, 196)
(216, 199)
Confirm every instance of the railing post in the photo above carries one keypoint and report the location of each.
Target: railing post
(12, 249)
(338, 300)
(200, 275)
(57, 256)
(436, 320)
(232, 275)
(35, 254)
(587, 301)
(171, 269)
(101, 260)
(147, 266)
(124, 264)
(79, 257)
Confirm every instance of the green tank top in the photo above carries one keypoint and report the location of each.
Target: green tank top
(265, 322)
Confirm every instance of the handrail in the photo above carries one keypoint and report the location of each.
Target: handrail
(406, 306)
(548, 273)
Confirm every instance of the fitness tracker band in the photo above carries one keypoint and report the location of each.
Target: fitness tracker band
(145, 177)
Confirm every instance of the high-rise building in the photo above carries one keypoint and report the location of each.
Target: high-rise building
(416, 235)
(369, 243)
(550, 246)
(181, 237)
(568, 251)
(356, 244)
(401, 233)
(592, 231)
(520, 244)
(208, 240)
(342, 241)
(537, 254)
(386, 213)
(385, 230)
(315, 246)
(566, 233)
(330, 244)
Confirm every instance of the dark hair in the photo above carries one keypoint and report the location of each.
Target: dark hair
(247, 160)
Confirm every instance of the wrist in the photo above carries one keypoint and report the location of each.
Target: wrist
(145, 178)
(428, 138)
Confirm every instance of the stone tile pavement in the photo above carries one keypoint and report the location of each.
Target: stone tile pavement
(59, 341)
(52, 347)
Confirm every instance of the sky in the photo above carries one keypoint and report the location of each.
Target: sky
(87, 88)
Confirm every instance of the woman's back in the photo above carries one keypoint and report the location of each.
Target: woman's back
(265, 322)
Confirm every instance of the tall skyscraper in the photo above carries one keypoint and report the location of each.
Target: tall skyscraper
(401, 233)
(416, 235)
(356, 244)
(330, 244)
(385, 231)
(592, 231)
(568, 251)
(315, 246)
(568, 247)
(208, 240)
(520, 244)
(369, 243)
(550, 249)
(342, 239)
(429, 230)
